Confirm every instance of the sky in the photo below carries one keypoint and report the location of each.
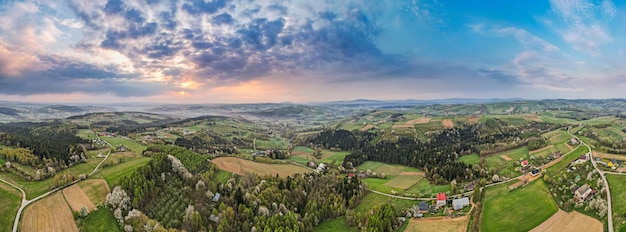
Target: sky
(244, 51)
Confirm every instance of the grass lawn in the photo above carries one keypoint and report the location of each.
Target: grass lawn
(403, 181)
(337, 224)
(329, 156)
(372, 199)
(135, 147)
(504, 210)
(100, 220)
(545, 152)
(562, 148)
(559, 137)
(388, 169)
(618, 194)
(299, 159)
(423, 186)
(303, 148)
(470, 159)
(380, 184)
(222, 176)
(113, 174)
(568, 159)
(33, 188)
(11, 200)
(86, 134)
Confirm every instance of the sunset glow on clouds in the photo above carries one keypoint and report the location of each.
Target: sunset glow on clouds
(228, 51)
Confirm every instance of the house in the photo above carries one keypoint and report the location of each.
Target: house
(535, 172)
(524, 163)
(574, 141)
(470, 186)
(613, 163)
(350, 175)
(216, 197)
(321, 167)
(423, 207)
(123, 149)
(441, 199)
(556, 155)
(311, 164)
(582, 192)
(214, 218)
(100, 155)
(460, 203)
(362, 175)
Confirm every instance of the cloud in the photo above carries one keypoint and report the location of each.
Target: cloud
(538, 71)
(586, 27)
(522, 36)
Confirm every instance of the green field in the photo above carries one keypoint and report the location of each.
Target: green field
(302, 148)
(332, 225)
(388, 169)
(546, 152)
(425, 187)
(135, 147)
(617, 184)
(329, 156)
(114, 173)
(372, 199)
(403, 181)
(380, 184)
(32, 188)
(11, 200)
(504, 210)
(86, 134)
(222, 176)
(471, 159)
(100, 220)
(568, 159)
(507, 168)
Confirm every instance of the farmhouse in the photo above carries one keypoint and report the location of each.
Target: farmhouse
(321, 167)
(460, 203)
(583, 192)
(423, 207)
(441, 199)
(524, 163)
(574, 141)
(556, 155)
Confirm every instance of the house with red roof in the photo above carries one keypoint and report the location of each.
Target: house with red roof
(524, 163)
(441, 199)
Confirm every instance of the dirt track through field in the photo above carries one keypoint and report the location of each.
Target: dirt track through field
(473, 119)
(440, 224)
(533, 118)
(447, 123)
(418, 121)
(505, 157)
(49, 214)
(569, 146)
(571, 222)
(77, 198)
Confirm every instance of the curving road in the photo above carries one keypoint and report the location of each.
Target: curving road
(28, 202)
(606, 183)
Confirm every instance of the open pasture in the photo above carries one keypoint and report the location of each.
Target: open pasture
(503, 209)
(95, 189)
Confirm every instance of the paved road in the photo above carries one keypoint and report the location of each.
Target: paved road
(606, 183)
(28, 202)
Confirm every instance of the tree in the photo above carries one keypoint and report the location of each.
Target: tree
(83, 212)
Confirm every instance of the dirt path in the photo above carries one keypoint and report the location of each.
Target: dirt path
(422, 174)
(505, 157)
(569, 146)
(572, 222)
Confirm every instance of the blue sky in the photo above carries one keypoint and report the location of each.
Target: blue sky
(230, 51)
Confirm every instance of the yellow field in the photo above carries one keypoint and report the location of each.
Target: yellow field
(241, 166)
(49, 214)
(367, 127)
(447, 123)
(77, 199)
(439, 224)
(572, 222)
(95, 189)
